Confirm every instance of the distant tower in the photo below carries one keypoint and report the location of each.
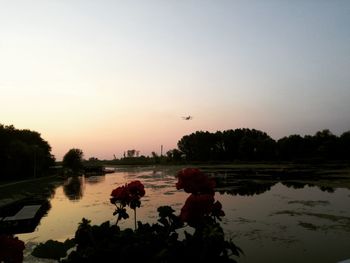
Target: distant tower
(161, 150)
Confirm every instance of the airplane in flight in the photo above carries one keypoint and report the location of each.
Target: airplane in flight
(186, 118)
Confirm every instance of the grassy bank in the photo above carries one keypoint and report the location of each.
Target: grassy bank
(38, 187)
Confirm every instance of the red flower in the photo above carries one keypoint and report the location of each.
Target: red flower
(125, 194)
(196, 208)
(136, 189)
(121, 194)
(11, 249)
(194, 181)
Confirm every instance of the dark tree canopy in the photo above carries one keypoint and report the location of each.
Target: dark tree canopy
(228, 145)
(255, 145)
(73, 160)
(23, 153)
(174, 155)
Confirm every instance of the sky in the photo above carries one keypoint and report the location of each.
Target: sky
(109, 76)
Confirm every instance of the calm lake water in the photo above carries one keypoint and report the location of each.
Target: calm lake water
(271, 221)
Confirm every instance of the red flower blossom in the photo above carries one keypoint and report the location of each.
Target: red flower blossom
(136, 189)
(196, 208)
(194, 181)
(128, 193)
(121, 194)
(11, 249)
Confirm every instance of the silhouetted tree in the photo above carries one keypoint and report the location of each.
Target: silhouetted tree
(244, 144)
(292, 147)
(256, 145)
(156, 158)
(131, 153)
(73, 160)
(230, 142)
(344, 147)
(322, 146)
(174, 155)
(199, 146)
(326, 145)
(23, 153)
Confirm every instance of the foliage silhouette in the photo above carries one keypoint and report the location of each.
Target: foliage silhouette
(52, 249)
(254, 145)
(73, 160)
(23, 154)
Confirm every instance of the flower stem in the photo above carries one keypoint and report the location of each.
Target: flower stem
(135, 217)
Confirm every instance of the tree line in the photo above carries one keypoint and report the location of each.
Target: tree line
(23, 153)
(255, 145)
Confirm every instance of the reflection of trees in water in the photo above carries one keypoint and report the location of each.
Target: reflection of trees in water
(248, 188)
(241, 184)
(256, 184)
(95, 179)
(296, 185)
(326, 189)
(73, 188)
(300, 185)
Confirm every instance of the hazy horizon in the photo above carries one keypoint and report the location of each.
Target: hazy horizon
(108, 76)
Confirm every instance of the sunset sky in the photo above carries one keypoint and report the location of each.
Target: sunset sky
(108, 76)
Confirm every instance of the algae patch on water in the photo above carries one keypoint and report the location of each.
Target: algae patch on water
(333, 222)
(309, 203)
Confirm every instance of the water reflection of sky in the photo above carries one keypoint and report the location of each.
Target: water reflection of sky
(290, 225)
(276, 223)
